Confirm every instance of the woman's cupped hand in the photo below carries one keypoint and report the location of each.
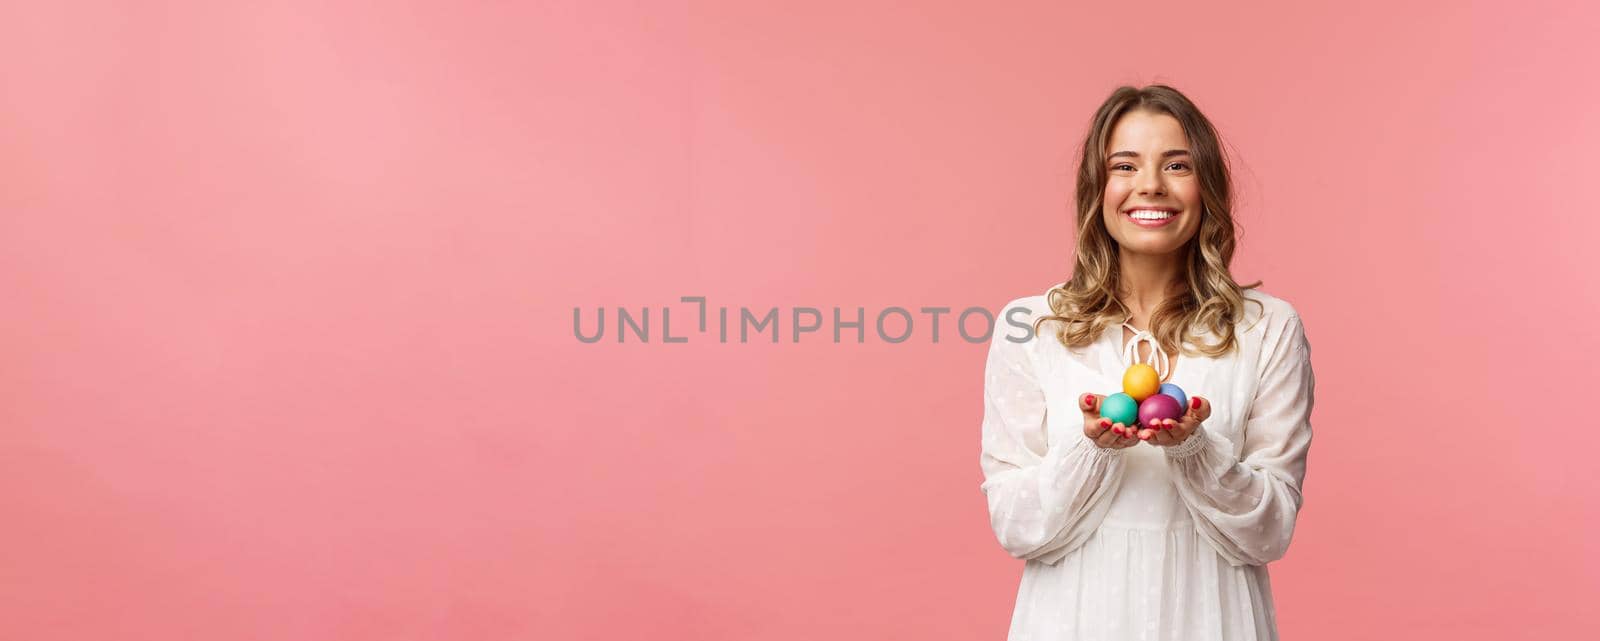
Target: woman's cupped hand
(1166, 433)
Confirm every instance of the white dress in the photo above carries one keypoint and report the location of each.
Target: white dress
(1147, 542)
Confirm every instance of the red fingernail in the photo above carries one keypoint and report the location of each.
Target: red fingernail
(1195, 403)
(1104, 423)
(1118, 430)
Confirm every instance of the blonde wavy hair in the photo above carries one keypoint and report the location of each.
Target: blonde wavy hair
(1209, 302)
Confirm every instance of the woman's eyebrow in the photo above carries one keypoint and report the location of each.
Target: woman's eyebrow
(1165, 154)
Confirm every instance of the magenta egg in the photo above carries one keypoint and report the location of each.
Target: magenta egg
(1159, 407)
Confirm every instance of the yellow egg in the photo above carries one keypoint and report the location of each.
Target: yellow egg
(1141, 382)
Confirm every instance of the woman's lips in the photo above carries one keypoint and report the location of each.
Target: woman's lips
(1152, 224)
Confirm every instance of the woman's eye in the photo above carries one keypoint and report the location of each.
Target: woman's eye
(1180, 165)
(1121, 167)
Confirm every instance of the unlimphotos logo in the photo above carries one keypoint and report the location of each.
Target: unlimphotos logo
(892, 324)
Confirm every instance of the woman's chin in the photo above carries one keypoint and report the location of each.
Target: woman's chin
(1152, 249)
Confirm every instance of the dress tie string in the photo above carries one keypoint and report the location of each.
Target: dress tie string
(1158, 356)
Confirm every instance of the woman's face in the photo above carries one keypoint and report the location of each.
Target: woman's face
(1149, 171)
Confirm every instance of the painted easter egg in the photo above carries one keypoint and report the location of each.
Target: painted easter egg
(1176, 392)
(1120, 408)
(1158, 407)
(1141, 382)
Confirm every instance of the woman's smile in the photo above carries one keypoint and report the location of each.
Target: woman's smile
(1152, 218)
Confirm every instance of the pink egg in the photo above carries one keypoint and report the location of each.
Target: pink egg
(1159, 407)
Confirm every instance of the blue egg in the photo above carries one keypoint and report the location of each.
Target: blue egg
(1176, 392)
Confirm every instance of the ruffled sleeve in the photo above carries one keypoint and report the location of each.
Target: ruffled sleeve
(1245, 507)
(1045, 499)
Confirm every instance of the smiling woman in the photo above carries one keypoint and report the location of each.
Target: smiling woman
(1163, 530)
(1154, 220)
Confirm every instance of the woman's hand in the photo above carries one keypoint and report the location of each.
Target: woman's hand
(1104, 433)
(1168, 433)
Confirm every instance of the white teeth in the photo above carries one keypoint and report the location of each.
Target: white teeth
(1148, 214)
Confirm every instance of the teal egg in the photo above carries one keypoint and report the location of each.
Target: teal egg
(1176, 392)
(1120, 408)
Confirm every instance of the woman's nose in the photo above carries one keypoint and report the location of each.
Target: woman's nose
(1151, 183)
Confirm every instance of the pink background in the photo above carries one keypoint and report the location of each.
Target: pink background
(287, 348)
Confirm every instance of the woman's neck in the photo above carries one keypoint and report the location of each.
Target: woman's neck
(1147, 280)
